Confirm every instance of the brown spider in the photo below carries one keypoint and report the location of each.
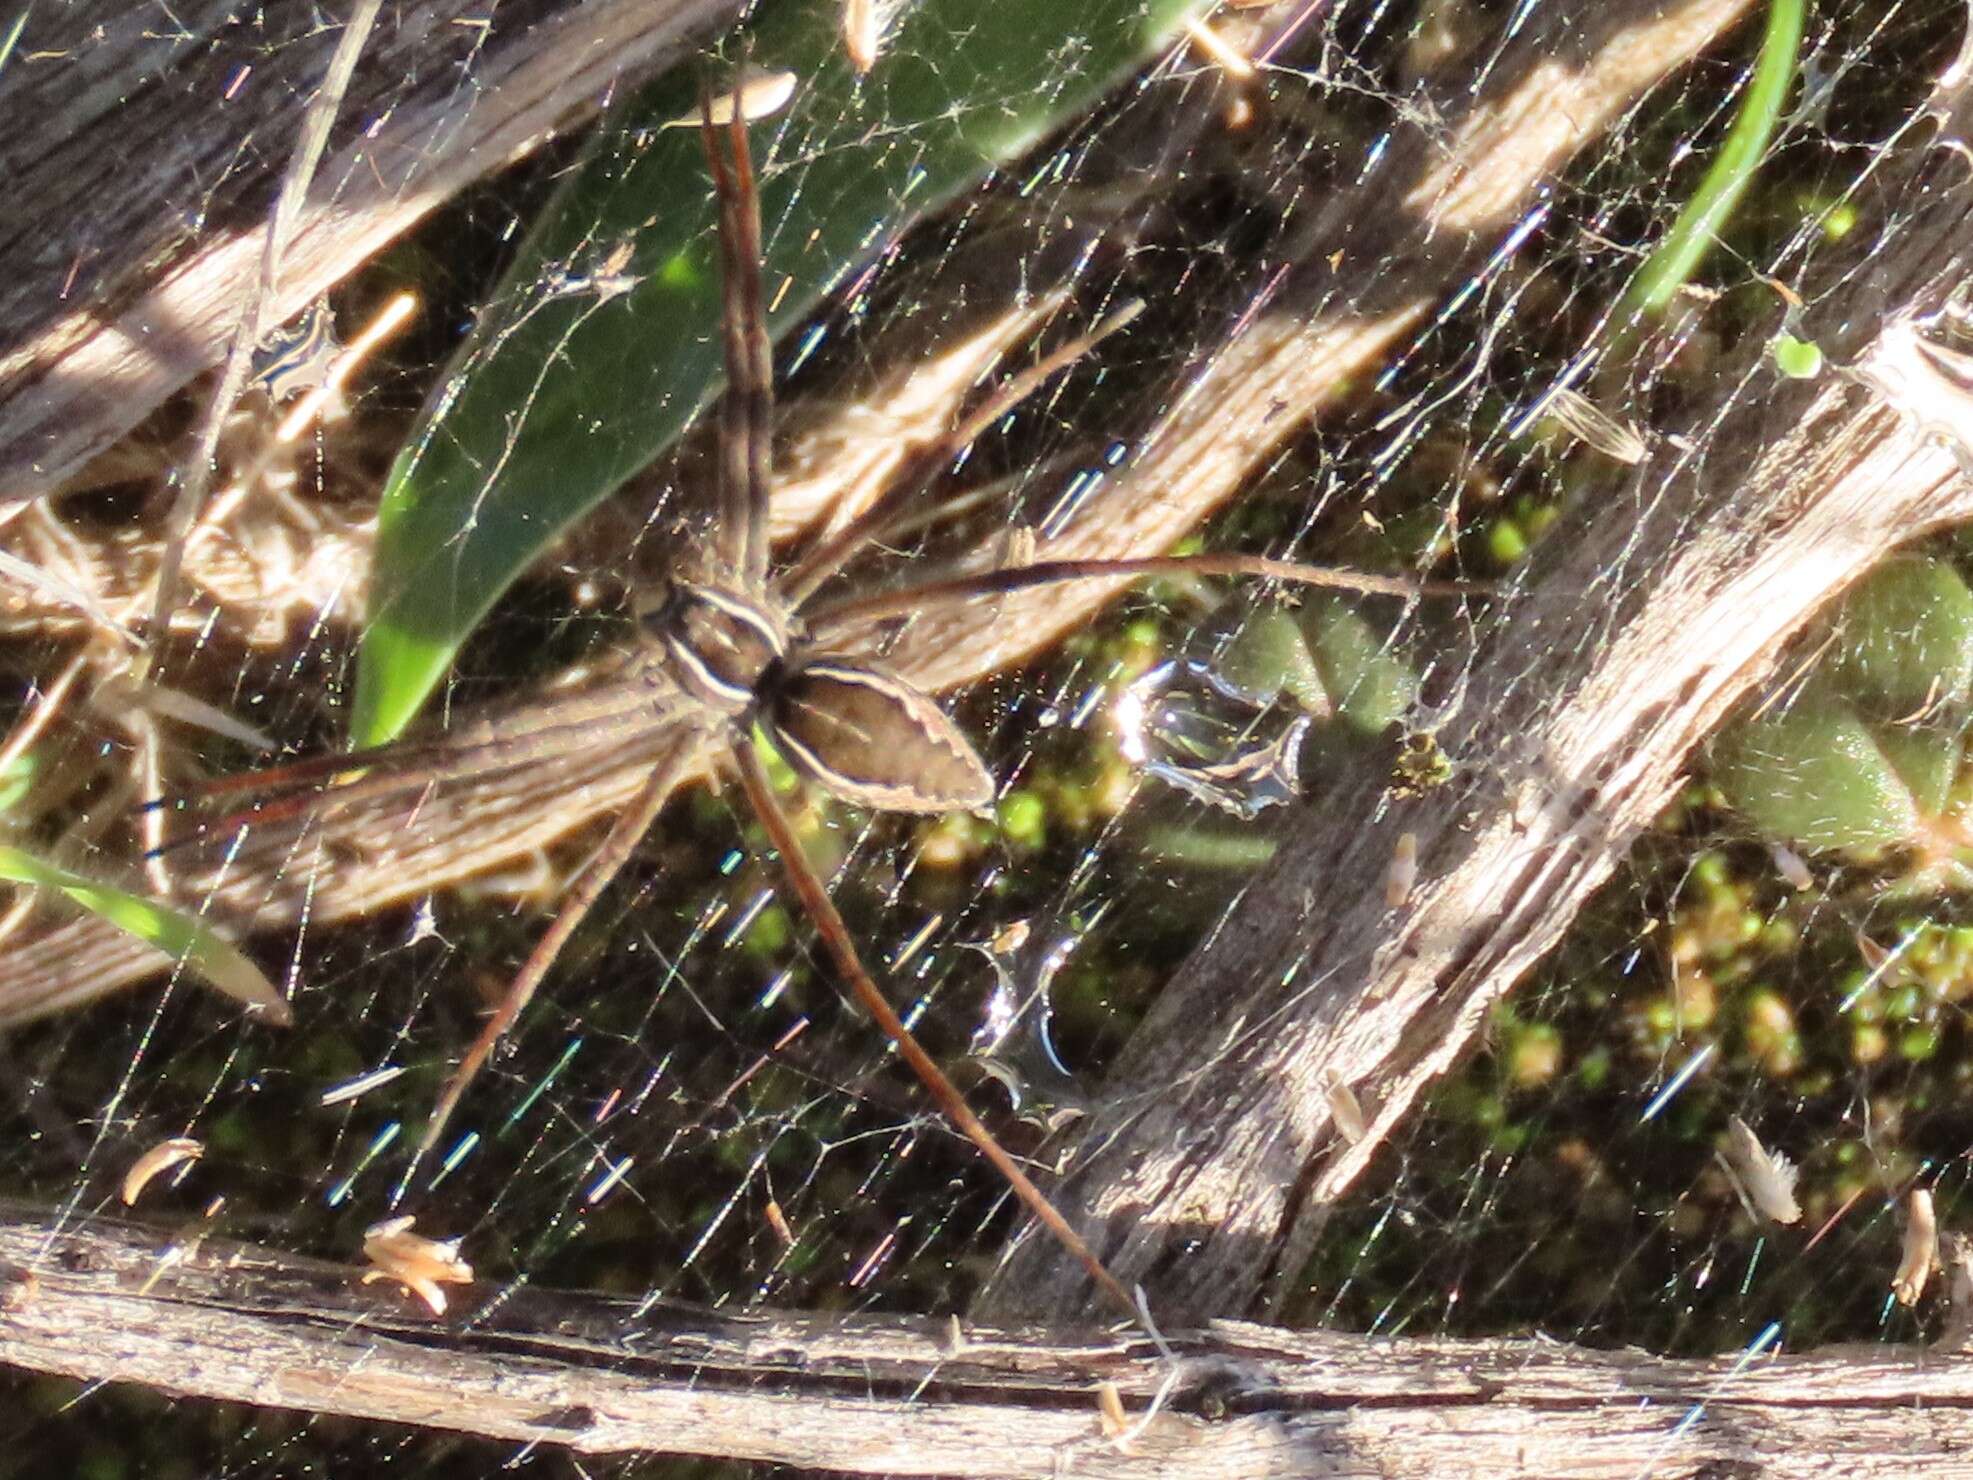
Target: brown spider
(733, 645)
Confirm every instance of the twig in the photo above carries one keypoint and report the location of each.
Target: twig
(899, 1395)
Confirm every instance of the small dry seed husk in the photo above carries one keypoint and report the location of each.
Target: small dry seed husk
(1875, 956)
(1767, 1177)
(1110, 1408)
(1010, 938)
(1792, 867)
(1921, 1248)
(861, 34)
(778, 1221)
(1403, 871)
(421, 1265)
(1346, 1110)
(761, 95)
(1596, 428)
(160, 1158)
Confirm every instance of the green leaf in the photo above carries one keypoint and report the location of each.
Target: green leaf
(1926, 760)
(1370, 680)
(17, 779)
(1813, 775)
(182, 937)
(559, 396)
(1906, 643)
(1270, 655)
(1798, 359)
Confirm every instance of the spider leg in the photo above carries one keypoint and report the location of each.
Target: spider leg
(829, 619)
(837, 940)
(625, 834)
(312, 785)
(746, 467)
(403, 765)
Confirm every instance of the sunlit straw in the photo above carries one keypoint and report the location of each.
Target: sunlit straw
(1747, 1276)
(541, 1088)
(917, 943)
(1833, 1219)
(458, 1154)
(774, 989)
(13, 36)
(1215, 46)
(610, 1179)
(876, 1259)
(743, 921)
(50, 703)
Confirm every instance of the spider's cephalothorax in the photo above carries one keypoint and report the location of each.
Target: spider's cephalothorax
(718, 644)
(848, 724)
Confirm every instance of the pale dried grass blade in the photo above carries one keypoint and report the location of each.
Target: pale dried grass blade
(1921, 1248)
(159, 1159)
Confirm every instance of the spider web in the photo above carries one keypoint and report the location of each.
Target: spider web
(692, 1109)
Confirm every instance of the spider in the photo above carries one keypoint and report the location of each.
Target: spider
(733, 645)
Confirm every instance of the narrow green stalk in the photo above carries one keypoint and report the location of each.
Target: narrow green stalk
(1698, 225)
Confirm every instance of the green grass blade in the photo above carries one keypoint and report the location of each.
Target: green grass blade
(558, 397)
(17, 779)
(180, 936)
(1667, 269)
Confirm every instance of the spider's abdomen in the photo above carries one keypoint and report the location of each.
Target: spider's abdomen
(719, 642)
(859, 731)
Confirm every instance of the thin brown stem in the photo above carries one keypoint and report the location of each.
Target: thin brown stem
(628, 831)
(836, 939)
(1050, 572)
(746, 469)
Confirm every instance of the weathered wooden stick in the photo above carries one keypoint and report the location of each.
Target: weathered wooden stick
(122, 144)
(108, 1301)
